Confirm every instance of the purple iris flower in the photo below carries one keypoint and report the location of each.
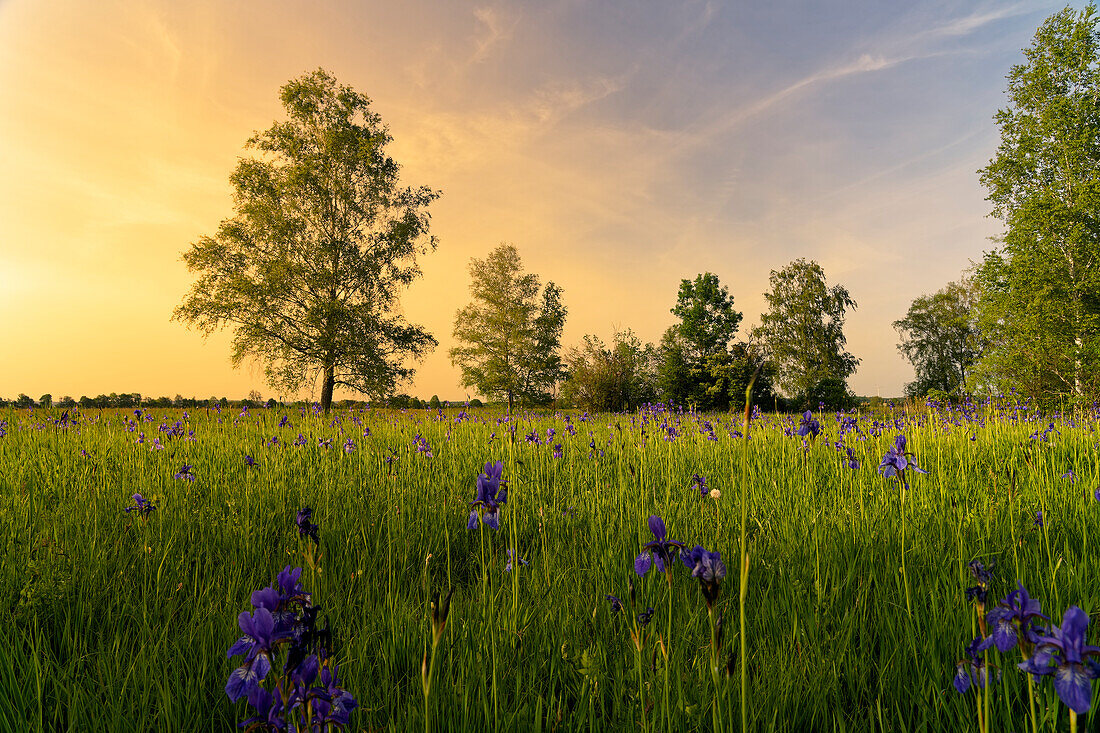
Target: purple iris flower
(349, 445)
(141, 505)
(511, 557)
(897, 461)
(269, 710)
(699, 482)
(977, 594)
(616, 604)
(490, 496)
(557, 450)
(809, 426)
(1072, 668)
(981, 573)
(258, 629)
(661, 550)
(1039, 518)
(423, 447)
(970, 670)
(290, 588)
(1012, 617)
(853, 462)
(185, 473)
(335, 704)
(708, 568)
(249, 461)
(306, 528)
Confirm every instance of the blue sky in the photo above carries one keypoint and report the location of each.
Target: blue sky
(621, 146)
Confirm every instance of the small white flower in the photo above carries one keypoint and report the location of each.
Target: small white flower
(715, 494)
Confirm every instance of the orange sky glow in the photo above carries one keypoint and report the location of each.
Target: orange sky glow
(620, 150)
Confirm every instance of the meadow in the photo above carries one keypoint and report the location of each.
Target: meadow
(857, 612)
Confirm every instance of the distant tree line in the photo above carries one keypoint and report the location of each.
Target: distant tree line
(509, 343)
(136, 401)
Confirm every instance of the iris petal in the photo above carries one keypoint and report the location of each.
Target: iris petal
(1073, 687)
(657, 526)
(962, 677)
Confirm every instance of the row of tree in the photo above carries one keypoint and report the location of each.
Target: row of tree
(308, 270)
(104, 401)
(135, 400)
(509, 344)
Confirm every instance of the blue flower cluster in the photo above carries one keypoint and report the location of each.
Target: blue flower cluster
(307, 694)
(1057, 651)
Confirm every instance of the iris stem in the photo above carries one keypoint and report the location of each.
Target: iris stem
(717, 719)
(668, 644)
(1031, 700)
(428, 689)
(904, 574)
(641, 678)
(744, 587)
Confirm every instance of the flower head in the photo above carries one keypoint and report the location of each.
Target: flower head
(708, 568)
(141, 505)
(1012, 619)
(185, 473)
(809, 426)
(970, 670)
(305, 526)
(489, 498)
(1065, 655)
(660, 551)
(511, 557)
(897, 460)
(258, 631)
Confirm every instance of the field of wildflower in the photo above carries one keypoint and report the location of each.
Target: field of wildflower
(925, 568)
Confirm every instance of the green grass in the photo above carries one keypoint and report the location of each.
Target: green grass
(120, 623)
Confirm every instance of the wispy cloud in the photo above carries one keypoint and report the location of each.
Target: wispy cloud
(494, 29)
(723, 125)
(970, 23)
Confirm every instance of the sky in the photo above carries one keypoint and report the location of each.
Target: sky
(621, 146)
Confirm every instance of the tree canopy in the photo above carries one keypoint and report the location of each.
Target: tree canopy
(309, 269)
(617, 377)
(803, 330)
(1040, 290)
(940, 339)
(509, 337)
(695, 361)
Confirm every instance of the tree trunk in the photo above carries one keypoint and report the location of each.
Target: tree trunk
(326, 388)
(509, 402)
